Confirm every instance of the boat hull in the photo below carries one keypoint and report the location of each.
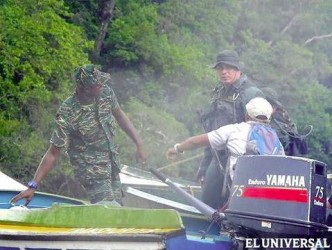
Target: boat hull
(100, 227)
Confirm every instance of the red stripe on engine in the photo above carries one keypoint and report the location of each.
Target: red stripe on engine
(283, 194)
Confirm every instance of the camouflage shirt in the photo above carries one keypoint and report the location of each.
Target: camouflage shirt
(86, 132)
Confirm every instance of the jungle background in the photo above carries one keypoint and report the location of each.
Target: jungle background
(159, 53)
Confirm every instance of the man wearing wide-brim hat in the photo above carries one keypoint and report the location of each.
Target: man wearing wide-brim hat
(228, 99)
(230, 58)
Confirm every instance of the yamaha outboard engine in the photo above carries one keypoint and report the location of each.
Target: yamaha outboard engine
(278, 196)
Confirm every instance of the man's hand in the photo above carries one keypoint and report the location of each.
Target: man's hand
(171, 154)
(127, 126)
(200, 176)
(45, 166)
(141, 156)
(27, 194)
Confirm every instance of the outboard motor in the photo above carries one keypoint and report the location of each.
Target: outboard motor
(278, 196)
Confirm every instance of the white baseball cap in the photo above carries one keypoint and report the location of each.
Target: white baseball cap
(259, 109)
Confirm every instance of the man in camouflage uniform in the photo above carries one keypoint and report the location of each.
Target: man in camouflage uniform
(85, 127)
(228, 100)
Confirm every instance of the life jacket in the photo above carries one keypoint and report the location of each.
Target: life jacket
(228, 103)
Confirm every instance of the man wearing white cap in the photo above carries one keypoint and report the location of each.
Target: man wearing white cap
(233, 137)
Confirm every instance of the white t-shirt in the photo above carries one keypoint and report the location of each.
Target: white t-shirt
(234, 137)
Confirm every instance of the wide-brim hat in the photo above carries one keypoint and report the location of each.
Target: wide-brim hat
(229, 57)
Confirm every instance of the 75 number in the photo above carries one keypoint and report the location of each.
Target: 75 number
(237, 190)
(319, 192)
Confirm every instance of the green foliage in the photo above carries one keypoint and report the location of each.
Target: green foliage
(85, 14)
(38, 51)
(132, 27)
(39, 48)
(318, 114)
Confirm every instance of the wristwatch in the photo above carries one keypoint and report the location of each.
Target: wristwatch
(32, 184)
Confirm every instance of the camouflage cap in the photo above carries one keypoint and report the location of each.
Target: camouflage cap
(104, 78)
(89, 75)
(86, 75)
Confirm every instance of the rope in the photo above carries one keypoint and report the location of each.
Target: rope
(179, 162)
(298, 136)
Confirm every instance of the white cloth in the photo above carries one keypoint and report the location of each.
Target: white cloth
(234, 137)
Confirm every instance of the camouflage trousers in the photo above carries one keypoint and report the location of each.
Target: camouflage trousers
(102, 191)
(99, 183)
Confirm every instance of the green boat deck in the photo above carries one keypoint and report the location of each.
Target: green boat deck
(90, 221)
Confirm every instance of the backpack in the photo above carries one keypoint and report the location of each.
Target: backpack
(263, 140)
(294, 143)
